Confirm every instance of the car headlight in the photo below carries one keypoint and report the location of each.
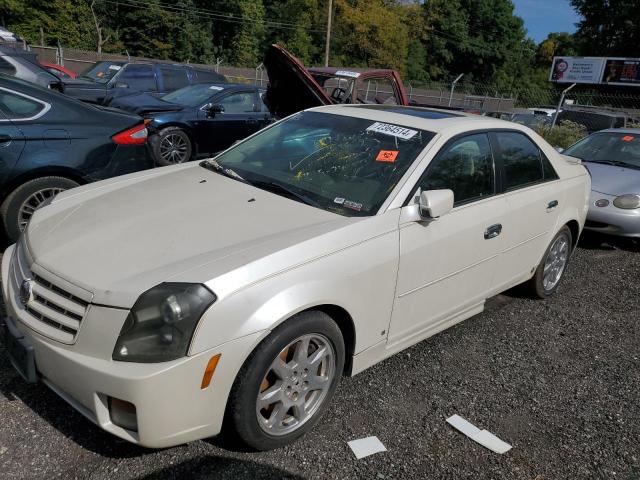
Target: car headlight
(628, 201)
(160, 325)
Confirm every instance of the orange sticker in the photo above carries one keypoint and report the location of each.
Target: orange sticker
(388, 156)
(627, 138)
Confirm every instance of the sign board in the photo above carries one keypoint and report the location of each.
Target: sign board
(576, 69)
(621, 71)
(596, 70)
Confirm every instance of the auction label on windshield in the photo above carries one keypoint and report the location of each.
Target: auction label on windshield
(394, 130)
(347, 73)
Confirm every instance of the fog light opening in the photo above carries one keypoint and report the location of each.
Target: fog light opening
(123, 414)
(209, 371)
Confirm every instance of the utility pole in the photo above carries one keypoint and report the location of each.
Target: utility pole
(326, 48)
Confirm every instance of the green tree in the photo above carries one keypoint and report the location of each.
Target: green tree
(609, 27)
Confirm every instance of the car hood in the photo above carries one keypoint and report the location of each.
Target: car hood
(291, 88)
(142, 103)
(120, 237)
(613, 180)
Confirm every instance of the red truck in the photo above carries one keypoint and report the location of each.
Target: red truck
(292, 87)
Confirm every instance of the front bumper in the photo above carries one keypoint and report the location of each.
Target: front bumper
(612, 220)
(171, 407)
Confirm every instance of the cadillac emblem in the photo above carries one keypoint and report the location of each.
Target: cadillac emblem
(26, 289)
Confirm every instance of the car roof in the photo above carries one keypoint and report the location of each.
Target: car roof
(429, 119)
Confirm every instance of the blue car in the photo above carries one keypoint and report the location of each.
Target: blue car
(50, 142)
(200, 119)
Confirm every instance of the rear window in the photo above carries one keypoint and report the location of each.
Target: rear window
(6, 67)
(207, 76)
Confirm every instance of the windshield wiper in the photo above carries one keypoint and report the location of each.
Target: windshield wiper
(211, 164)
(275, 187)
(616, 163)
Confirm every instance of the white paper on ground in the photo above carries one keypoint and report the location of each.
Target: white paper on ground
(366, 446)
(483, 437)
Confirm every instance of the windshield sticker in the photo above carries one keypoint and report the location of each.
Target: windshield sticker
(216, 88)
(394, 130)
(114, 67)
(352, 205)
(347, 73)
(387, 156)
(628, 138)
(338, 200)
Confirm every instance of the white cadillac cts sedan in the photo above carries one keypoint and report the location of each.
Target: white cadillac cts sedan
(237, 291)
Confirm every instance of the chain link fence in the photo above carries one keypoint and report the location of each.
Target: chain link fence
(585, 104)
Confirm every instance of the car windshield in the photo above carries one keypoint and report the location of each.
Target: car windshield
(342, 164)
(617, 148)
(102, 72)
(193, 95)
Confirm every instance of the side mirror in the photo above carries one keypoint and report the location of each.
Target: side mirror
(559, 149)
(435, 203)
(213, 110)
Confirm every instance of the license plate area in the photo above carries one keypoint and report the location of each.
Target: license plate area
(20, 352)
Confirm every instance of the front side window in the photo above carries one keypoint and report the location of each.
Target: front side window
(342, 164)
(465, 167)
(17, 107)
(522, 161)
(139, 77)
(242, 102)
(174, 78)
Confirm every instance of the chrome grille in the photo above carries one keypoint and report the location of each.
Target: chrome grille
(50, 310)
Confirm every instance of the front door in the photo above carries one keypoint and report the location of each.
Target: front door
(218, 132)
(447, 265)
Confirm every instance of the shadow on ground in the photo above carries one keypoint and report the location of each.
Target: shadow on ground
(214, 467)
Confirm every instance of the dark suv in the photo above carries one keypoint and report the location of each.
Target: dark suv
(113, 79)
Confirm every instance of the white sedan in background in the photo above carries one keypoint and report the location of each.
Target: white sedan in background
(241, 289)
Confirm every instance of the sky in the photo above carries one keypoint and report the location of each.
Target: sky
(544, 16)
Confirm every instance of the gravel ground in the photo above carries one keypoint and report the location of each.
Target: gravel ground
(558, 379)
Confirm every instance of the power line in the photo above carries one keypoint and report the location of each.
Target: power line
(211, 14)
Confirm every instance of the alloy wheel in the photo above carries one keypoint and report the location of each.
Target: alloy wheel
(33, 202)
(555, 262)
(173, 148)
(296, 384)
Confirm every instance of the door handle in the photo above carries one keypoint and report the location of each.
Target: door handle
(252, 121)
(493, 231)
(552, 204)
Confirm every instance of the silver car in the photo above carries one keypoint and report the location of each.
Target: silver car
(613, 160)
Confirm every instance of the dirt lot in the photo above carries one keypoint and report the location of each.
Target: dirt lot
(558, 379)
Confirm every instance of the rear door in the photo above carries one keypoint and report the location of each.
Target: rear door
(16, 107)
(447, 265)
(534, 197)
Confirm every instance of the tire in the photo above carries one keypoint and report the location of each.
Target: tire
(19, 206)
(172, 147)
(558, 251)
(248, 422)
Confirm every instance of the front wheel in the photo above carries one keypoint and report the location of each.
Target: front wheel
(287, 383)
(548, 274)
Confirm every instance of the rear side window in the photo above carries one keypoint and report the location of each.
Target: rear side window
(174, 78)
(524, 163)
(17, 107)
(138, 77)
(465, 167)
(206, 76)
(6, 67)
